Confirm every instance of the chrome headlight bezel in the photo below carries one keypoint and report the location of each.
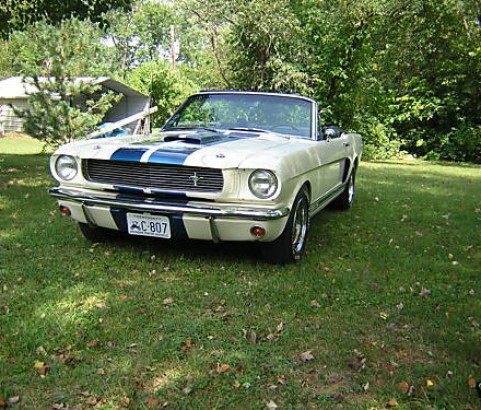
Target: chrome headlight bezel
(66, 167)
(263, 183)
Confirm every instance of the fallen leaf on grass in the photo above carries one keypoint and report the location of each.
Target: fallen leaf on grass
(219, 368)
(222, 368)
(124, 402)
(471, 382)
(392, 403)
(307, 356)
(219, 309)
(280, 327)
(315, 303)
(253, 337)
(272, 336)
(358, 363)
(187, 390)
(41, 351)
(424, 292)
(404, 387)
(93, 343)
(41, 368)
(281, 379)
(62, 358)
(405, 218)
(152, 402)
(272, 405)
(13, 400)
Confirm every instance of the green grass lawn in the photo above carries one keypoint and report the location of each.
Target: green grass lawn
(385, 309)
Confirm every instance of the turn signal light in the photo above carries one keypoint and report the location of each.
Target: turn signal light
(65, 211)
(258, 231)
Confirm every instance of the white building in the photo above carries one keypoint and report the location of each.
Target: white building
(15, 92)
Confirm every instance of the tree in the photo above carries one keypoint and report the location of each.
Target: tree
(77, 44)
(167, 88)
(249, 53)
(19, 14)
(140, 35)
(51, 117)
(430, 61)
(51, 58)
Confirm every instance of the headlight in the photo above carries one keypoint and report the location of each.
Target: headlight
(262, 183)
(66, 167)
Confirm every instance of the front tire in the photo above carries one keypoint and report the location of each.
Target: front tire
(290, 246)
(95, 234)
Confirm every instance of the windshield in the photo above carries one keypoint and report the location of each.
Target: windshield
(244, 112)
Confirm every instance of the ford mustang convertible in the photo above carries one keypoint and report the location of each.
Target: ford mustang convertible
(227, 166)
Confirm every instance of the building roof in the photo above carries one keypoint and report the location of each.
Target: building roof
(16, 88)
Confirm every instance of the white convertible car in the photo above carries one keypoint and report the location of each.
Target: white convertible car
(227, 166)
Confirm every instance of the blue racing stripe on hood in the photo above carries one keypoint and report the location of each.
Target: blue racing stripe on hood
(128, 154)
(176, 148)
(171, 157)
(173, 150)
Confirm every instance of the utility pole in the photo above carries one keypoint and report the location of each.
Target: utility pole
(172, 47)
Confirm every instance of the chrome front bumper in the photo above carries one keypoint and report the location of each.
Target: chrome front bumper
(167, 207)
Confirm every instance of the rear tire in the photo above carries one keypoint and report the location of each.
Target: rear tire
(290, 246)
(344, 201)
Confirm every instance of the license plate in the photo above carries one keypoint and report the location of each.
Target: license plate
(148, 225)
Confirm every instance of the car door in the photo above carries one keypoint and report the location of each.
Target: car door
(331, 152)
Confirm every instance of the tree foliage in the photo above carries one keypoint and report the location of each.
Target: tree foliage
(140, 36)
(76, 44)
(19, 14)
(167, 88)
(51, 59)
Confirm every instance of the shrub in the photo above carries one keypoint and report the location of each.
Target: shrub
(461, 144)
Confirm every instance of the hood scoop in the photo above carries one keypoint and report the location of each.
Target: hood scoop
(197, 139)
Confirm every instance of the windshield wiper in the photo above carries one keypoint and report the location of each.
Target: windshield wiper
(248, 129)
(191, 128)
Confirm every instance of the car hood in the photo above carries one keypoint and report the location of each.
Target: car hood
(190, 148)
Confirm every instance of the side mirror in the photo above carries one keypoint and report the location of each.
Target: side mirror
(331, 132)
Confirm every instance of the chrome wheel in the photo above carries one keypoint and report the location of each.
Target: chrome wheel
(299, 228)
(350, 189)
(346, 198)
(290, 245)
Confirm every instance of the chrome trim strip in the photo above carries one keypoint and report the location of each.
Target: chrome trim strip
(155, 205)
(326, 199)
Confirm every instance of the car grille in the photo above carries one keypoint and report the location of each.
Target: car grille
(154, 176)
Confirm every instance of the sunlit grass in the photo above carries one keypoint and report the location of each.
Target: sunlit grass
(19, 144)
(388, 294)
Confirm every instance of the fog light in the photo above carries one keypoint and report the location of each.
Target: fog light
(65, 211)
(258, 231)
